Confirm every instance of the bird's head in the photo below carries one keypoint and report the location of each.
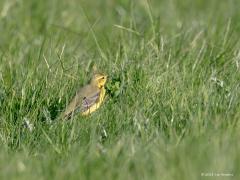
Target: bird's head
(99, 80)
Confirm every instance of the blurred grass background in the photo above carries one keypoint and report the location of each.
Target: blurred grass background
(172, 110)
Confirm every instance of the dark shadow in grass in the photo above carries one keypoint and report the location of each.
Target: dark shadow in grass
(55, 109)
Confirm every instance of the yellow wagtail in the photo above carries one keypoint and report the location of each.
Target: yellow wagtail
(88, 98)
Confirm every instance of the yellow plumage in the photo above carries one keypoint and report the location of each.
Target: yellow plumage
(89, 98)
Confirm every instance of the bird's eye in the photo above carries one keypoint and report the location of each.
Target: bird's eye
(103, 77)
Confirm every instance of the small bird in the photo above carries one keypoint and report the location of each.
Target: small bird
(89, 98)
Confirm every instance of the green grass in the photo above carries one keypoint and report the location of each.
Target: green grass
(173, 104)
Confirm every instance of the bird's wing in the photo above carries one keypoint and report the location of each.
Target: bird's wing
(82, 101)
(89, 101)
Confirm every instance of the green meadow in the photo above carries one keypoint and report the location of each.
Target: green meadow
(172, 109)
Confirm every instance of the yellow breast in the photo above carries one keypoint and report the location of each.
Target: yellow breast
(95, 106)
